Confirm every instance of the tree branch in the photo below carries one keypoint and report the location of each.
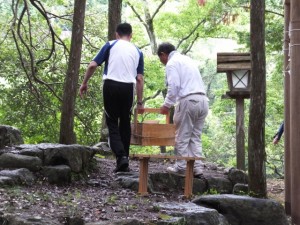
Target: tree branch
(158, 8)
(138, 15)
(191, 33)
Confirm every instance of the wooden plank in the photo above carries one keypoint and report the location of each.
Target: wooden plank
(165, 157)
(152, 141)
(224, 67)
(233, 53)
(150, 110)
(225, 58)
(240, 134)
(149, 134)
(155, 130)
(143, 178)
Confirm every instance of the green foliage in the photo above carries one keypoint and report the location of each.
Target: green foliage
(31, 92)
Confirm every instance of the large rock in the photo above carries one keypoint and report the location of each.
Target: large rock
(161, 182)
(77, 157)
(24, 219)
(10, 160)
(244, 210)
(237, 176)
(219, 185)
(193, 214)
(60, 174)
(19, 176)
(6, 181)
(10, 136)
(119, 222)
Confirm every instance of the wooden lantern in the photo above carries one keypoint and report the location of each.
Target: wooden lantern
(237, 67)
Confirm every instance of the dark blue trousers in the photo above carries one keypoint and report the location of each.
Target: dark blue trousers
(118, 101)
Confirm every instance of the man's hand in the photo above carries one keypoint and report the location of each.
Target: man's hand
(83, 90)
(140, 108)
(275, 140)
(164, 110)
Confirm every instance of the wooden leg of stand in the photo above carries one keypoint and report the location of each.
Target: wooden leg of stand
(189, 177)
(143, 179)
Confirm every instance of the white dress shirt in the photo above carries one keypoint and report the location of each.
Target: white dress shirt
(183, 78)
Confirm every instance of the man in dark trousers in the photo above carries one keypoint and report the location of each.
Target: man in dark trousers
(123, 73)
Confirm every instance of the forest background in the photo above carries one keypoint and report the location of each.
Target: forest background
(35, 44)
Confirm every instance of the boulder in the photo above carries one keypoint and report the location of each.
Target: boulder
(237, 176)
(10, 160)
(19, 176)
(10, 136)
(193, 214)
(220, 185)
(60, 174)
(244, 210)
(77, 157)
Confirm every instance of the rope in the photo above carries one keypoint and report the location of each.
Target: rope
(293, 30)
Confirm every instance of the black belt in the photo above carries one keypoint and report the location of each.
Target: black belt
(197, 93)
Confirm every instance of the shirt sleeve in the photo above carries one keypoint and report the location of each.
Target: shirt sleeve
(140, 68)
(173, 85)
(103, 54)
(280, 131)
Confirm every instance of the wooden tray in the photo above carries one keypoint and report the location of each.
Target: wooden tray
(152, 134)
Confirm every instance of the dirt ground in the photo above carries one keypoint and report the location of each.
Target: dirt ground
(99, 199)
(275, 188)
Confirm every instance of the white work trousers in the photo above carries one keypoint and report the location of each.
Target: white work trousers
(189, 119)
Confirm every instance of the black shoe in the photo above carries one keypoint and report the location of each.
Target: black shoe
(122, 165)
(199, 176)
(125, 170)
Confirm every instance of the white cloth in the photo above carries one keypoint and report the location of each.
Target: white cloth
(182, 78)
(123, 62)
(189, 117)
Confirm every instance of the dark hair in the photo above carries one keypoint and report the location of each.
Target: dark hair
(165, 47)
(124, 29)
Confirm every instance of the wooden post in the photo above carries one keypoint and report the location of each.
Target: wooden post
(143, 179)
(240, 134)
(295, 109)
(189, 178)
(287, 159)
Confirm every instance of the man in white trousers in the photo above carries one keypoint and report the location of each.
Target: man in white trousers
(185, 89)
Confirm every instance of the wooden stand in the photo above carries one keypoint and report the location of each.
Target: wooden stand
(151, 134)
(143, 178)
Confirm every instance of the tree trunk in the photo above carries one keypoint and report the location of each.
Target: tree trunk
(294, 110)
(287, 94)
(114, 18)
(67, 134)
(256, 140)
(150, 28)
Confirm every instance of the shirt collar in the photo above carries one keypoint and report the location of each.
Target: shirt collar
(171, 54)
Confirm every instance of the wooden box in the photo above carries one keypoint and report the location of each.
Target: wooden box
(151, 133)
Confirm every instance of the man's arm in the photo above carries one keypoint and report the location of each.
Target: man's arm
(88, 74)
(278, 135)
(173, 86)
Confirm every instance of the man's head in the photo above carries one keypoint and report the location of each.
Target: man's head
(124, 30)
(163, 51)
